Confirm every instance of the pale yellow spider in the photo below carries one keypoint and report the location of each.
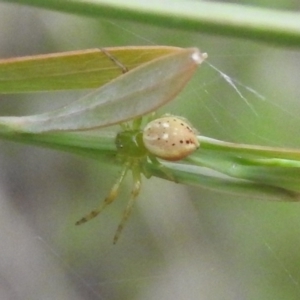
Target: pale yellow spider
(170, 138)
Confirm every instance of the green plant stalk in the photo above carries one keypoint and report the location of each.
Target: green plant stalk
(208, 179)
(274, 172)
(88, 145)
(252, 150)
(281, 28)
(272, 166)
(250, 177)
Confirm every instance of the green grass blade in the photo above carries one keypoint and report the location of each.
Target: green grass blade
(272, 172)
(248, 150)
(265, 165)
(226, 19)
(96, 146)
(192, 174)
(256, 178)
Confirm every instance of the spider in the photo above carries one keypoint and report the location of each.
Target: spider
(169, 138)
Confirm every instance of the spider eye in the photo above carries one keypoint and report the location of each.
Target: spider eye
(170, 138)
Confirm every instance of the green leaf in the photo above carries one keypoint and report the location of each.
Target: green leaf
(84, 69)
(132, 95)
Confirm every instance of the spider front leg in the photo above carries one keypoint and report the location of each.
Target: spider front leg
(108, 200)
(136, 174)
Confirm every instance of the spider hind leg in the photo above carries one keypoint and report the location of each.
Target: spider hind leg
(108, 200)
(136, 174)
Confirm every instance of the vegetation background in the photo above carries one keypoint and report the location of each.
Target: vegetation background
(181, 242)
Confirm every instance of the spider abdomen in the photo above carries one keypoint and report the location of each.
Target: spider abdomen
(170, 138)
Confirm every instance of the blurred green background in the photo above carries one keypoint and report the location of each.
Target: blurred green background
(181, 242)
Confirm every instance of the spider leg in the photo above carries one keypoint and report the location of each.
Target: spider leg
(163, 169)
(136, 173)
(136, 123)
(108, 200)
